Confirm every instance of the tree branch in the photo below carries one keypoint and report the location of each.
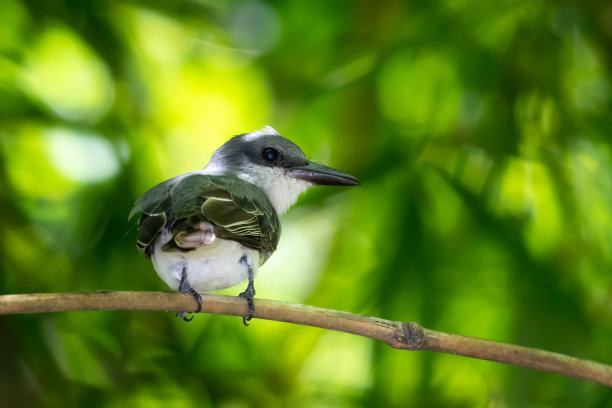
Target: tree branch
(399, 335)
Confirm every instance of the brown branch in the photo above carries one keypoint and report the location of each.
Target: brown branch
(399, 335)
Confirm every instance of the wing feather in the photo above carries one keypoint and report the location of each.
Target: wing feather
(237, 209)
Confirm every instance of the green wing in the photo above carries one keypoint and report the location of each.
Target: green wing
(238, 210)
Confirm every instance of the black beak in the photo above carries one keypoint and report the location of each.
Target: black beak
(322, 175)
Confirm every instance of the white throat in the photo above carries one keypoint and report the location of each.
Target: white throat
(282, 190)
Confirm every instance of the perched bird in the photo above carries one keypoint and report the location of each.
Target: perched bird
(212, 228)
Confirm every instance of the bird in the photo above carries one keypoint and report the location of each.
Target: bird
(213, 228)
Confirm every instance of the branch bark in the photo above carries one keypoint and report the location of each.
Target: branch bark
(399, 335)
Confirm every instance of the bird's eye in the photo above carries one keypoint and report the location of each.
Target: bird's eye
(269, 154)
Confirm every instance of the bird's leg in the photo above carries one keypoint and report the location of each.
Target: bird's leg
(185, 287)
(249, 293)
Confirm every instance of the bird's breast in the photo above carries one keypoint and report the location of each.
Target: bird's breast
(211, 267)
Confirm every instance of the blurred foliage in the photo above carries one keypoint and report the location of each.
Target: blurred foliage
(480, 132)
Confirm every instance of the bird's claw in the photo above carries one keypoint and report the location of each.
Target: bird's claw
(198, 299)
(184, 287)
(183, 315)
(248, 294)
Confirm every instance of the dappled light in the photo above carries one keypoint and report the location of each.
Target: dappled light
(480, 133)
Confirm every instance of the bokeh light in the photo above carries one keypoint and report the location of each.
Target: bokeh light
(480, 132)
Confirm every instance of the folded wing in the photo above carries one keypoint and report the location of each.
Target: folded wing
(238, 210)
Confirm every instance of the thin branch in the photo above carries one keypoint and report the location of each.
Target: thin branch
(399, 335)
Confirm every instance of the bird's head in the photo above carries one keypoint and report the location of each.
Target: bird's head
(274, 164)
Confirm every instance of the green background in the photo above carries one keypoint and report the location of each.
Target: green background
(481, 133)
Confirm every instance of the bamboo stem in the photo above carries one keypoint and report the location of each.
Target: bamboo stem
(399, 335)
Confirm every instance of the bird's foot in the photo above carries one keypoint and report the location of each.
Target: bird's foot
(183, 315)
(198, 299)
(185, 287)
(248, 294)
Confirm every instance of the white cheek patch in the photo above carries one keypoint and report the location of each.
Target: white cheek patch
(281, 189)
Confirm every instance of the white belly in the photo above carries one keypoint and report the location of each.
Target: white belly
(215, 266)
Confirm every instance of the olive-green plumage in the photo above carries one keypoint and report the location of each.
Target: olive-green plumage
(212, 229)
(238, 211)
